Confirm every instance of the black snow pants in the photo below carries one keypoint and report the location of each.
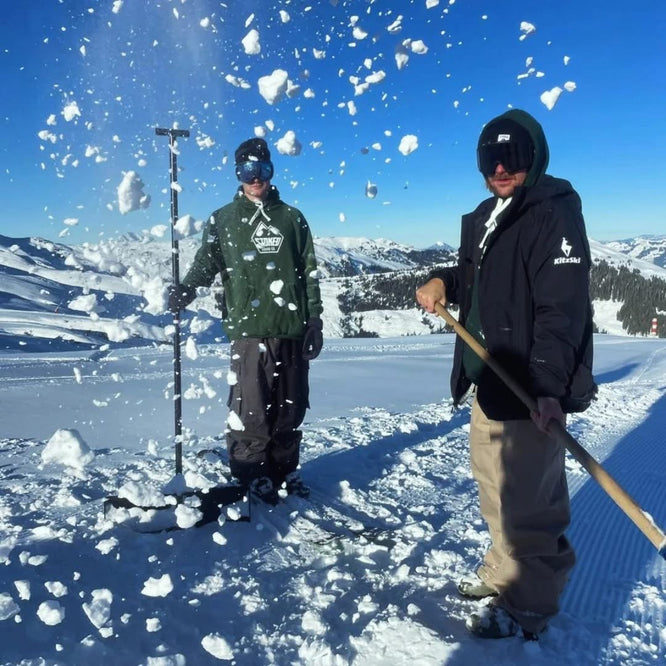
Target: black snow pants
(268, 398)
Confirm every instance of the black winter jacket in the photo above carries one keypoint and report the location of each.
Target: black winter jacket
(533, 295)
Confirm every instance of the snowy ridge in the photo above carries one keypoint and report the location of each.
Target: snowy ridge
(649, 248)
(53, 296)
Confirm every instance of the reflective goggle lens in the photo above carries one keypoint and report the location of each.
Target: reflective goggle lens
(512, 156)
(254, 170)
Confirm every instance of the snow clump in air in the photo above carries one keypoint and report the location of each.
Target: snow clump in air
(8, 607)
(71, 111)
(408, 144)
(251, 43)
(549, 97)
(289, 144)
(130, 193)
(51, 612)
(527, 29)
(217, 646)
(187, 226)
(158, 587)
(274, 86)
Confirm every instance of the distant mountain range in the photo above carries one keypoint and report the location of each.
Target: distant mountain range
(647, 248)
(59, 297)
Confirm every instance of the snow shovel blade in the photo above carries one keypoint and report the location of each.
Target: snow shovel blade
(211, 502)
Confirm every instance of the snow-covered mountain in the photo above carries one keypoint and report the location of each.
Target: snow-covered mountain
(648, 248)
(55, 297)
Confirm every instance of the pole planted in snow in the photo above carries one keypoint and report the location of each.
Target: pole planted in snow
(174, 134)
(613, 489)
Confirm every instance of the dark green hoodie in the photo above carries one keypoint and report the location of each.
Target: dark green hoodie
(265, 256)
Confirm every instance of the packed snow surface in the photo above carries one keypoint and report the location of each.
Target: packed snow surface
(386, 456)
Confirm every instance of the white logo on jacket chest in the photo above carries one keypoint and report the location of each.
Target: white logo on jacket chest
(267, 239)
(566, 248)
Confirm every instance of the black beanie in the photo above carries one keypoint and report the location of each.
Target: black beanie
(525, 129)
(504, 129)
(252, 149)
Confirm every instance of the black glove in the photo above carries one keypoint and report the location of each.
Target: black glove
(180, 297)
(313, 340)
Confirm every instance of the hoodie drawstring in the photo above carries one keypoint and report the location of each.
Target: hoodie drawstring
(260, 211)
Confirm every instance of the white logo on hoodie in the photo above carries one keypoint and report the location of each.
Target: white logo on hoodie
(566, 248)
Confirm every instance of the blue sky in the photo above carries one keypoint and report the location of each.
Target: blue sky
(160, 62)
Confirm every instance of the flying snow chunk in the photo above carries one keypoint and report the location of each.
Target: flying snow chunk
(158, 587)
(408, 144)
(419, 47)
(549, 97)
(45, 135)
(570, 86)
(237, 82)
(186, 226)
(234, 421)
(66, 447)
(71, 111)
(251, 43)
(51, 613)
(401, 56)
(284, 16)
(276, 286)
(98, 610)
(370, 190)
(191, 350)
(274, 86)
(217, 646)
(117, 6)
(527, 29)
(431, 3)
(130, 193)
(396, 26)
(359, 33)
(8, 607)
(289, 144)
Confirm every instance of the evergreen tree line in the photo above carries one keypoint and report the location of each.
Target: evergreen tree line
(643, 298)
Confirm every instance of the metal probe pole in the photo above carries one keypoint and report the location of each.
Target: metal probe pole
(173, 134)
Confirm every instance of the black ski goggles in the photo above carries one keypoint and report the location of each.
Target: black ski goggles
(254, 170)
(511, 155)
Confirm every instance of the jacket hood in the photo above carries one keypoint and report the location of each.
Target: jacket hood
(541, 153)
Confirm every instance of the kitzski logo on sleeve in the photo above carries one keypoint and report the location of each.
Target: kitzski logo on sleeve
(566, 248)
(267, 239)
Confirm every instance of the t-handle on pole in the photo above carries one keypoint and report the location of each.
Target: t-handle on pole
(173, 134)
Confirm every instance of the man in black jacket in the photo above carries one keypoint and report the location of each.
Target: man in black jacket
(522, 286)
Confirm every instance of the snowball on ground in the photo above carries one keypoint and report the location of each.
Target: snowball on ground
(66, 447)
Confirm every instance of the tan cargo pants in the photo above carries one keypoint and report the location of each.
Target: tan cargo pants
(525, 502)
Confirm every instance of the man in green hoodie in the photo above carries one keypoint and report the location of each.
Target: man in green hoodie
(522, 286)
(263, 251)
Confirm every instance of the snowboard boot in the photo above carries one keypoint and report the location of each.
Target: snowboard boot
(495, 622)
(473, 587)
(492, 622)
(295, 486)
(262, 488)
